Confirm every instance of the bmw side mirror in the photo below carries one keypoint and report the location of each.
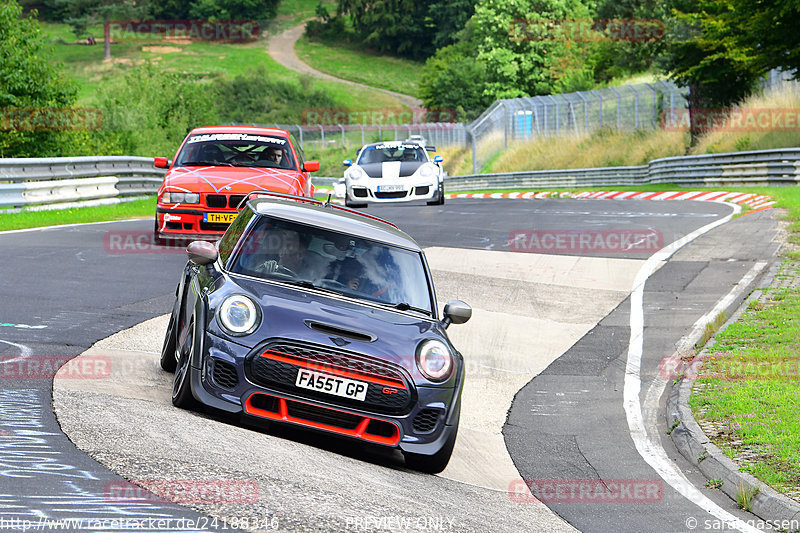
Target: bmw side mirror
(347, 162)
(438, 159)
(456, 312)
(311, 166)
(202, 252)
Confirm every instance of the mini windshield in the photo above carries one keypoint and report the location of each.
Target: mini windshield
(236, 150)
(381, 153)
(317, 258)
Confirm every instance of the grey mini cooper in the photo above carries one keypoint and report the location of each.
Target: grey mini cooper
(312, 314)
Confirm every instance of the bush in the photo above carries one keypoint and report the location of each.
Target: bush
(149, 111)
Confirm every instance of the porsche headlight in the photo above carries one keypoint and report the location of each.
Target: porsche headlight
(426, 171)
(434, 360)
(355, 173)
(239, 315)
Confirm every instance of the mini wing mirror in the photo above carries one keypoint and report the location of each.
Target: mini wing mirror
(438, 159)
(202, 252)
(311, 166)
(430, 148)
(456, 312)
(161, 162)
(347, 162)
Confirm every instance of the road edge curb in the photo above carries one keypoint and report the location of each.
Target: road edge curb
(694, 445)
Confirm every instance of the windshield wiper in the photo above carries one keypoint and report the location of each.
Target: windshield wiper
(206, 163)
(404, 306)
(308, 285)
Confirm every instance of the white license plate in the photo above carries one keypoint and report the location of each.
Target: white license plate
(391, 188)
(346, 388)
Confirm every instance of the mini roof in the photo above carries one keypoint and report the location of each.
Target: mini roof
(335, 219)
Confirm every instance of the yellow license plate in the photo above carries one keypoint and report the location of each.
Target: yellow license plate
(220, 218)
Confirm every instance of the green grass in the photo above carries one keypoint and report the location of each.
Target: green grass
(294, 12)
(352, 62)
(85, 64)
(748, 387)
(36, 219)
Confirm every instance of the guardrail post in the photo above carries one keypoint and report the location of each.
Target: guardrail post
(322, 134)
(342, 127)
(300, 129)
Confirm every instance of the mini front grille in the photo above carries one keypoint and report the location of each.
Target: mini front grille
(277, 367)
(387, 195)
(425, 421)
(225, 374)
(216, 200)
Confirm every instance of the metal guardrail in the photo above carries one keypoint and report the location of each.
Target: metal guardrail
(767, 167)
(70, 180)
(65, 180)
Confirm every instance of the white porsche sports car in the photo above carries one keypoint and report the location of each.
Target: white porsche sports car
(394, 171)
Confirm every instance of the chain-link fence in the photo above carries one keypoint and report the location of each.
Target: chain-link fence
(625, 108)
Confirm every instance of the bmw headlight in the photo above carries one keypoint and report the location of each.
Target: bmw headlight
(426, 171)
(239, 315)
(434, 360)
(355, 173)
(180, 198)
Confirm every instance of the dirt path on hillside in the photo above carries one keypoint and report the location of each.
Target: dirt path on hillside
(281, 48)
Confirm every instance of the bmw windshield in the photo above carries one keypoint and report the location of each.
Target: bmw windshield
(316, 258)
(236, 150)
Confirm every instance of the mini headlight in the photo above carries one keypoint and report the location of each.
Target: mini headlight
(426, 171)
(238, 315)
(434, 360)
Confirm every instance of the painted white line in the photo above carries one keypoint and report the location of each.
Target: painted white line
(24, 351)
(650, 448)
(60, 226)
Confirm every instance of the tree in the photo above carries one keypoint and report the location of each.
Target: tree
(527, 47)
(28, 81)
(705, 54)
(452, 79)
(402, 27)
(234, 9)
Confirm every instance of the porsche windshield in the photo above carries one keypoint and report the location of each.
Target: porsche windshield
(236, 150)
(382, 153)
(317, 258)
